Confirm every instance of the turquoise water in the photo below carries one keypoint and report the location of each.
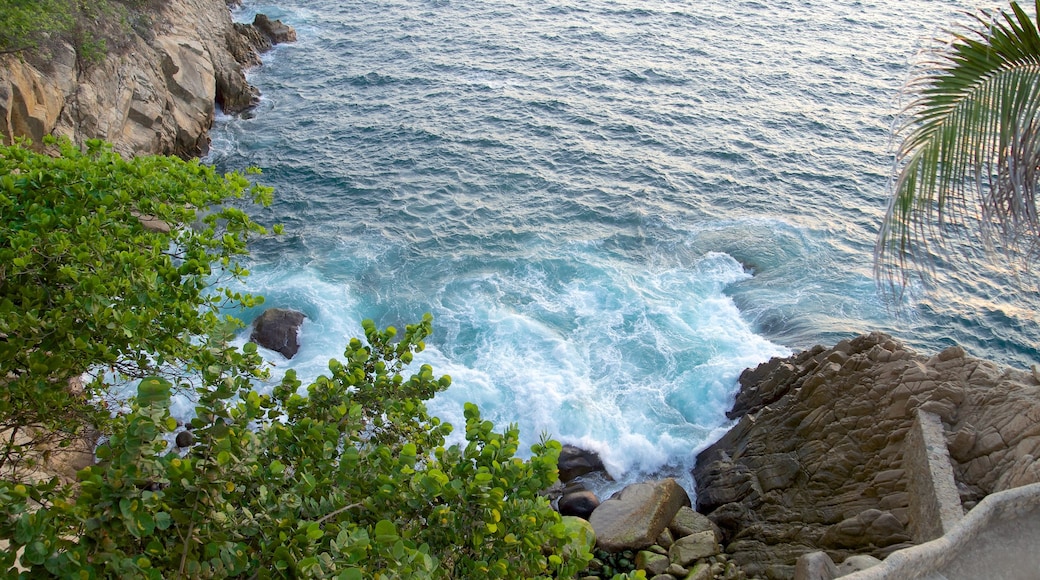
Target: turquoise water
(611, 208)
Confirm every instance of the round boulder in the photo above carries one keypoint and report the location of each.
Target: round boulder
(578, 503)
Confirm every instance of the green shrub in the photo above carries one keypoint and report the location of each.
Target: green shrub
(86, 287)
(352, 479)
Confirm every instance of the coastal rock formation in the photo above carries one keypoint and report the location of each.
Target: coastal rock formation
(278, 329)
(816, 461)
(635, 516)
(155, 93)
(575, 462)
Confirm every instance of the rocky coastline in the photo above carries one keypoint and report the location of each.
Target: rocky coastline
(817, 461)
(156, 94)
(820, 462)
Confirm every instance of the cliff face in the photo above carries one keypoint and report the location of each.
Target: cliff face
(817, 459)
(156, 96)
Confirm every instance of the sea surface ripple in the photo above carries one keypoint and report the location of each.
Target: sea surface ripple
(611, 207)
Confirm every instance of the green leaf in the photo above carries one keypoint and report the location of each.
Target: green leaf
(154, 391)
(385, 532)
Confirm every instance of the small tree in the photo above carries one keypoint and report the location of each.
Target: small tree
(87, 288)
(351, 480)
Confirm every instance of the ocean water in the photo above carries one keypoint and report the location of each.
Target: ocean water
(611, 207)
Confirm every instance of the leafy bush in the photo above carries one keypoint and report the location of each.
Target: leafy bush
(90, 27)
(351, 479)
(86, 287)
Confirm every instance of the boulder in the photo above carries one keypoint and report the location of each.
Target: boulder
(278, 329)
(687, 550)
(274, 29)
(575, 462)
(815, 566)
(634, 517)
(688, 522)
(578, 503)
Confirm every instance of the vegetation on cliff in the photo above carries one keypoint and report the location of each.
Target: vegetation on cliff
(89, 26)
(352, 479)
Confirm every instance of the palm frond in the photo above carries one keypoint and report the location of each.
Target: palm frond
(967, 165)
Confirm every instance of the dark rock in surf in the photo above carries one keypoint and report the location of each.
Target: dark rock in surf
(278, 329)
(579, 503)
(575, 462)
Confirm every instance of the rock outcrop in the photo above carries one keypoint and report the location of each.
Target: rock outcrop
(816, 461)
(278, 329)
(155, 93)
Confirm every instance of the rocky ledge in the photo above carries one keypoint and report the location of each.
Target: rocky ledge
(157, 93)
(817, 463)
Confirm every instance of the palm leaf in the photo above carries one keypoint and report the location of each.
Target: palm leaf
(966, 168)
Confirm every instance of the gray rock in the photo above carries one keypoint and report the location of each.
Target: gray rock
(815, 566)
(274, 29)
(634, 517)
(687, 521)
(685, 551)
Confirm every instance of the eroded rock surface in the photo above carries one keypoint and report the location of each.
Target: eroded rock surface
(156, 94)
(816, 460)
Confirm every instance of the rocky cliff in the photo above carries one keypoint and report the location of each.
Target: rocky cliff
(156, 94)
(816, 461)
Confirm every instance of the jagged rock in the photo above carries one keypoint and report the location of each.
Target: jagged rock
(157, 93)
(274, 29)
(688, 522)
(278, 329)
(816, 459)
(635, 516)
(578, 503)
(575, 462)
(869, 528)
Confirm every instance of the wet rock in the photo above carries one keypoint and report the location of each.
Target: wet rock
(578, 503)
(575, 462)
(278, 329)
